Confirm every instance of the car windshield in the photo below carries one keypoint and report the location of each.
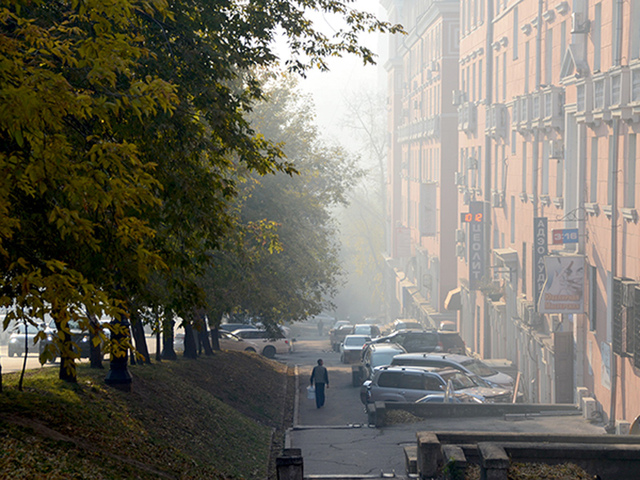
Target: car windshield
(479, 368)
(356, 341)
(379, 359)
(31, 330)
(459, 380)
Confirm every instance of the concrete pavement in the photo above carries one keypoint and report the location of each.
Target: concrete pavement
(336, 441)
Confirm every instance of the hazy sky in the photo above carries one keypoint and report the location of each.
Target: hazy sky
(347, 75)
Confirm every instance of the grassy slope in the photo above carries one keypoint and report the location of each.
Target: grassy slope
(210, 418)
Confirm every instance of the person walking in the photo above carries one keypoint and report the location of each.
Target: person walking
(319, 376)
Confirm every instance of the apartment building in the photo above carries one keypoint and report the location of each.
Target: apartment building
(422, 208)
(547, 240)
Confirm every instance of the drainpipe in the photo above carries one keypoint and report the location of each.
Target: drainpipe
(536, 137)
(614, 232)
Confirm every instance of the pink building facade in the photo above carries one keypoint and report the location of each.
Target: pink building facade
(546, 235)
(422, 209)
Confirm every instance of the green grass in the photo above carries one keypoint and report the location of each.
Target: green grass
(210, 418)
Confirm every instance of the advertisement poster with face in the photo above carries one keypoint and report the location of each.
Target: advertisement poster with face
(563, 291)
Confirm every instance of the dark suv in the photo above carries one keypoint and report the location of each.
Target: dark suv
(414, 340)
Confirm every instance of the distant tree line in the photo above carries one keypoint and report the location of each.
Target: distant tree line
(151, 167)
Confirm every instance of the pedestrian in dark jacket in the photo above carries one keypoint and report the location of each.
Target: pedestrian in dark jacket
(319, 376)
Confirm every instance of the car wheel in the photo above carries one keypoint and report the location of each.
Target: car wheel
(250, 349)
(269, 351)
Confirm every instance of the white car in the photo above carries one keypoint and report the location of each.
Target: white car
(267, 344)
(351, 348)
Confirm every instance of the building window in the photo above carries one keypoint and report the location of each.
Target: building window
(504, 77)
(524, 268)
(559, 177)
(513, 219)
(479, 168)
(635, 32)
(630, 173)
(516, 27)
(513, 141)
(598, 94)
(545, 169)
(526, 67)
(497, 94)
(473, 82)
(593, 180)
(615, 37)
(524, 167)
(593, 296)
(635, 84)
(480, 79)
(611, 174)
(549, 57)
(563, 41)
(581, 96)
(595, 37)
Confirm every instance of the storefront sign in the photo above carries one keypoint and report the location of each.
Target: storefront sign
(564, 235)
(476, 245)
(540, 250)
(563, 290)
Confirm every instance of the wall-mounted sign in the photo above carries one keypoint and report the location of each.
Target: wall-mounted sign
(469, 217)
(564, 235)
(563, 291)
(476, 245)
(540, 250)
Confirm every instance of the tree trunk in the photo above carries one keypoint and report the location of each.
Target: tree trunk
(67, 371)
(95, 351)
(215, 339)
(189, 342)
(119, 376)
(168, 352)
(203, 336)
(140, 339)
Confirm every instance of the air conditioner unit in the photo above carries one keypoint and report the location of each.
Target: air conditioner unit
(556, 149)
(460, 235)
(459, 178)
(578, 25)
(497, 199)
(466, 198)
(460, 250)
(458, 98)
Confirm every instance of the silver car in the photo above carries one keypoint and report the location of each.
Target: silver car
(409, 384)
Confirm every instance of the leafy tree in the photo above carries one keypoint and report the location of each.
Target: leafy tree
(295, 273)
(122, 131)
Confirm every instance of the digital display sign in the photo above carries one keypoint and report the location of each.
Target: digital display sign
(471, 217)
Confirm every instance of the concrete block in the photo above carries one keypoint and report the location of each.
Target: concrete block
(455, 462)
(429, 455)
(589, 408)
(380, 414)
(494, 462)
(289, 465)
(411, 459)
(622, 427)
(581, 392)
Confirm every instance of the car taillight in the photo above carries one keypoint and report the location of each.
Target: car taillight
(286, 342)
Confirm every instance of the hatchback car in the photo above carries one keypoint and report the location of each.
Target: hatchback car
(22, 339)
(269, 344)
(463, 363)
(351, 348)
(413, 340)
(371, 331)
(409, 384)
(230, 341)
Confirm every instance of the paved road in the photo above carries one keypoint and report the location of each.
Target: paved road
(336, 440)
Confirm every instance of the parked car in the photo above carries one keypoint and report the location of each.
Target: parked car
(413, 340)
(453, 398)
(231, 341)
(80, 340)
(230, 327)
(367, 329)
(409, 384)
(269, 344)
(452, 342)
(374, 356)
(22, 338)
(407, 324)
(463, 363)
(337, 336)
(351, 348)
